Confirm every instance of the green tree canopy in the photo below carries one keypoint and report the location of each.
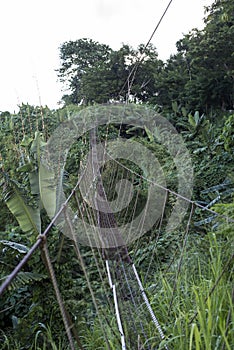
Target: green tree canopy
(77, 58)
(94, 72)
(200, 76)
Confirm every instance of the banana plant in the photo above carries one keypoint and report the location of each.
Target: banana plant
(27, 215)
(25, 200)
(11, 251)
(26, 208)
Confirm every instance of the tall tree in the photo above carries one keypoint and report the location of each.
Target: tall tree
(201, 74)
(103, 82)
(95, 73)
(77, 57)
(144, 80)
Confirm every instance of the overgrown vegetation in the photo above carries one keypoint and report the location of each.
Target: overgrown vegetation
(190, 287)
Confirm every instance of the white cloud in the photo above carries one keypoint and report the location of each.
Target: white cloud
(33, 30)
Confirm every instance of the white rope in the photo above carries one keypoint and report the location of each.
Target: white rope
(108, 273)
(116, 307)
(154, 318)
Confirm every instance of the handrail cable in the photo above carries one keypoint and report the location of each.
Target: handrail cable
(185, 239)
(138, 62)
(42, 236)
(113, 287)
(173, 192)
(50, 269)
(149, 306)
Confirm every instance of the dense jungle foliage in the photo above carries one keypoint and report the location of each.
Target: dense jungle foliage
(194, 90)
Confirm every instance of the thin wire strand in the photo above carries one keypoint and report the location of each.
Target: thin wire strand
(185, 238)
(157, 237)
(57, 293)
(42, 236)
(136, 66)
(79, 255)
(175, 193)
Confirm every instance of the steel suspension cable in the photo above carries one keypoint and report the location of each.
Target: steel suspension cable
(174, 193)
(57, 292)
(136, 66)
(154, 318)
(113, 287)
(185, 238)
(79, 255)
(42, 236)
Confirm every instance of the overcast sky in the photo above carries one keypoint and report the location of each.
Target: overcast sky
(31, 32)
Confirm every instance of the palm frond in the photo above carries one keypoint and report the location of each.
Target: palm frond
(24, 278)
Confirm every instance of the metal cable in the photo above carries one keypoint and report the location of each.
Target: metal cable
(57, 292)
(136, 65)
(42, 236)
(173, 192)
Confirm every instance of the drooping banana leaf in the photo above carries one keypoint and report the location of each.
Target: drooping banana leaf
(26, 167)
(51, 180)
(36, 147)
(60, 197)
(34, 182)
(47, 190)
(27, 217)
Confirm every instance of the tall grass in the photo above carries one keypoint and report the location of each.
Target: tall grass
(195, 311)
(201, 316)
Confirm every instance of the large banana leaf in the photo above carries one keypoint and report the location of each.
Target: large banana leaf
(48, 190)
(27, 217)
(34, 182)
(36, 147)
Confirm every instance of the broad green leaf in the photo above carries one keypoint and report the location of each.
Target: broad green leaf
(184, 111)
(191, 120)
(200, 150)
(175, 106)
(196, 117)
(34, 182)
(27, 217)
(26, 167)
(132, 129)
(47, 190)
(26, 141)
(15, 321)
(149, 134)
(37, 145)
(23, 278)
(11, 123)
